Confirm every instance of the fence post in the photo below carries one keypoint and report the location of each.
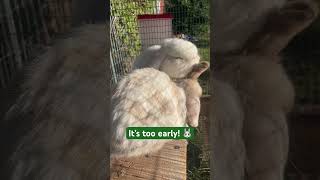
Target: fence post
(13, 34)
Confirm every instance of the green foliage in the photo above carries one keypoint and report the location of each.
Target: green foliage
(199, 174)
(197, 162)
(191, 16)
(204, 53)
(126, 12)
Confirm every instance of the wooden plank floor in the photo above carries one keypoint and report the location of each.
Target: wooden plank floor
(169, 163)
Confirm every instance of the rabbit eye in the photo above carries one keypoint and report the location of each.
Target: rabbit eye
(178, 59)
(175, 58)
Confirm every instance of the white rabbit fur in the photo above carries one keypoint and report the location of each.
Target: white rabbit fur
(174, 56)
(249, 130)
(264, 93)
(244, 17)
(66, 101)
(149, 98)
(144, 98)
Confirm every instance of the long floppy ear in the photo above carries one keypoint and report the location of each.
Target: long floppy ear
(198, 69)
(281, 27)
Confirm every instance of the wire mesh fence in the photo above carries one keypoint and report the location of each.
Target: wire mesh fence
(125, 42)
(26, 27)
(138, 24)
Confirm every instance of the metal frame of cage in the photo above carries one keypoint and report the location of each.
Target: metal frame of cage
(26, 27)
(126, 40)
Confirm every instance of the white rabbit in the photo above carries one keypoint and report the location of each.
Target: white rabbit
(253, 82)
(251, 98)
(176, 57)
(148, 97)
(65, 103)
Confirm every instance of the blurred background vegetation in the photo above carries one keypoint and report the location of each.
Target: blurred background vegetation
(125, 13)
(302, 61)
(191, 18)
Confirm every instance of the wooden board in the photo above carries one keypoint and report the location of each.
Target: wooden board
(169, 163)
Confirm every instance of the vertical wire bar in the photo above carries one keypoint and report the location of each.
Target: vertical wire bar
(13, 34)
(44, 25)
(36, 23)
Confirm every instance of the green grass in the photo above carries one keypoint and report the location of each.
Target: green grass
(198, 158)
(204, 53)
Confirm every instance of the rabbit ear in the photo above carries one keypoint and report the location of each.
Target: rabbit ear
(198, 69)
(281, 27)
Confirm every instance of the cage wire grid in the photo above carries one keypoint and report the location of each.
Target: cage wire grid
(26, 27)
(190, 21)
